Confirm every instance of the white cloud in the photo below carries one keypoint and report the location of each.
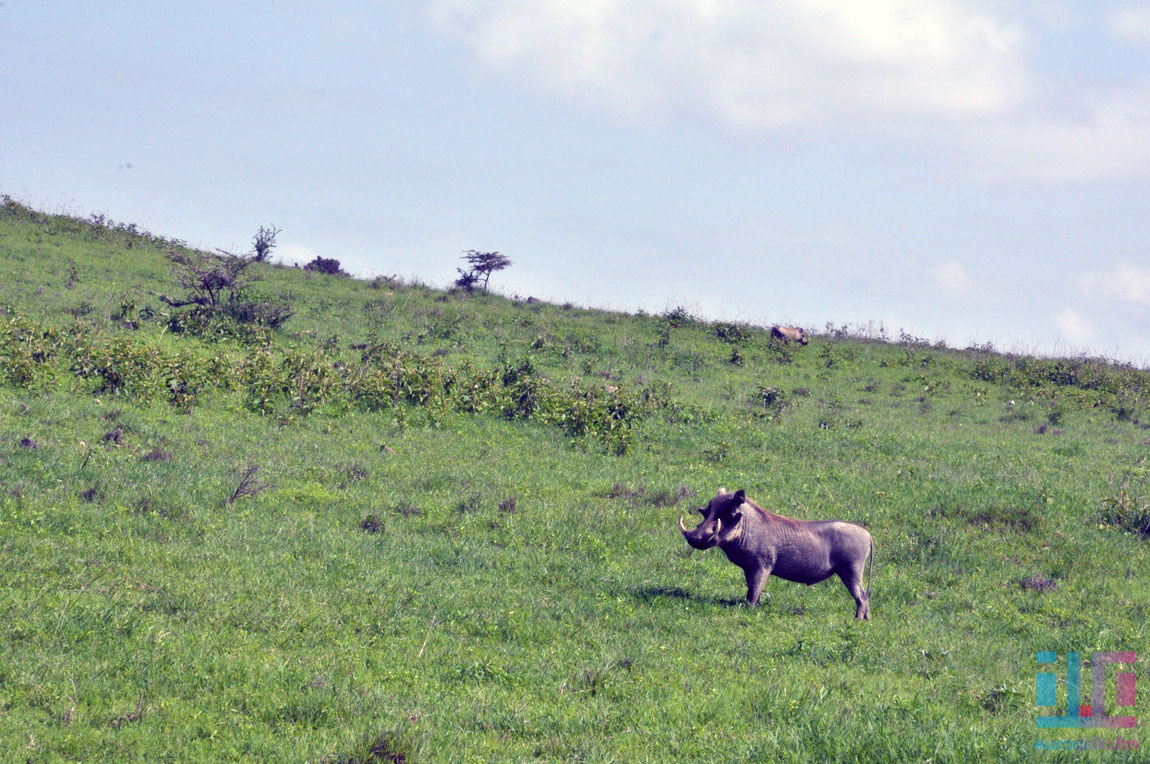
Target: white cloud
(952, 276)
(948, 74)
(1131, 23)
(754, 64)
(1075, 326)
(1108, 141)
(1126, 283)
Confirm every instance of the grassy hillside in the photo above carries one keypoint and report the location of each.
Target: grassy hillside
(410, 525)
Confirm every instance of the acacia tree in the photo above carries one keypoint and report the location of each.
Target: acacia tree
(483, 264)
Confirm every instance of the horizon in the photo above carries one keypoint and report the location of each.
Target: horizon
(867, 331)
(965, 173)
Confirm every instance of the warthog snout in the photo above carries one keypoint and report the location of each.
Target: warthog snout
(704, 536)
(717, 527)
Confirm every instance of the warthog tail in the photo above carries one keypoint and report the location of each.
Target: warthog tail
(869, 569)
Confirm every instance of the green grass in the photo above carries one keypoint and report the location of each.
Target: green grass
(521, 592)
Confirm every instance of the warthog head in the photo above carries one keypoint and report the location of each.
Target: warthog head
(721, 524)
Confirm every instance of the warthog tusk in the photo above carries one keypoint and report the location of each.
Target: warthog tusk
(682, 527)
(718, 527)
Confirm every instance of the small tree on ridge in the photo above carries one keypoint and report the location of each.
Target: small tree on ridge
(264, 242)
(483, 264)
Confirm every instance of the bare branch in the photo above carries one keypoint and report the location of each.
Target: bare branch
(248, 486)
(182, 303)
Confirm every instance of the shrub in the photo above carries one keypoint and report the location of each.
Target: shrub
(467, 280)
(1104, 380)
(296, 381)
(779, 350)
(772, 399)
(829, 357)
(732, 333)
(326, 265)
(208, 280)
(218, 291)
(263, 243)
(26, 350)
(249, 308)
(216, 326)
(678, 316)
(1129, 508)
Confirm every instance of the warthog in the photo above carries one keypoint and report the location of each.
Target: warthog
(790, 334)
(762, 543)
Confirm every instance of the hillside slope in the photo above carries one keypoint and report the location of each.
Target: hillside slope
(442, 527)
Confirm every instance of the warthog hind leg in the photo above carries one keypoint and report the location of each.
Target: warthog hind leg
(852, 580)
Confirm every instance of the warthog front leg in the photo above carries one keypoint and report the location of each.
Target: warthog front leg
(756, 580)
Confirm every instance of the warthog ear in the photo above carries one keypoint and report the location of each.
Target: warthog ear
(740, 496)
(722, 491)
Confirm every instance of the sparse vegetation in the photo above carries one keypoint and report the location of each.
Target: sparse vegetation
(460, 541)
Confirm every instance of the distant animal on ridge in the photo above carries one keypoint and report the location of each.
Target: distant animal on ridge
(790, 334)
(763, 543)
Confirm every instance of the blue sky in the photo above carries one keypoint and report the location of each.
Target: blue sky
(959, 170)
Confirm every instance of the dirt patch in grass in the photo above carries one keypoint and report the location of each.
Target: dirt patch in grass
(372, 524)
(1037, 584)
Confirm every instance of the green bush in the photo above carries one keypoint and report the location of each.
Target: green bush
(218, 326)
(27, 350)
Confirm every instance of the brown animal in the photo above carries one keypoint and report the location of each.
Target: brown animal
(790, 334)
(762, 543)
